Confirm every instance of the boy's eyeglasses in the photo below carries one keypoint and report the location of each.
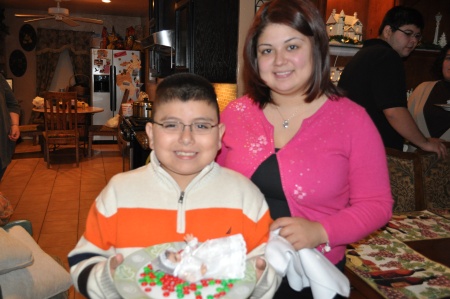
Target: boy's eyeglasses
(178, 127)
(410, 34)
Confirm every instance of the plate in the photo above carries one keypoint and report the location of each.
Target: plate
(446, 107)
(127, 275)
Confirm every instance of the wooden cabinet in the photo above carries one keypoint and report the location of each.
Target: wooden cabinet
(206, 35)
(215, 39)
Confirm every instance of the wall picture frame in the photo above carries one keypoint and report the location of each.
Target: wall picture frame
(27, 37)
(17, 63)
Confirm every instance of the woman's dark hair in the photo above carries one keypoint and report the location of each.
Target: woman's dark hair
(401, 15)
(185, 87)
(303, 16)
(436, 69)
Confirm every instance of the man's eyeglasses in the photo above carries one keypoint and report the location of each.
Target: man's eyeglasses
(410, 34)
(178, 127)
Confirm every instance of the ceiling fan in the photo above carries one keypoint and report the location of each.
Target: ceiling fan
(59, 14)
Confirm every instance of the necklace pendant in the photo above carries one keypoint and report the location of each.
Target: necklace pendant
(286, 124)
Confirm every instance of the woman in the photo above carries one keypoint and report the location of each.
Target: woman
(432, 120)
(9, 124)
(315, 155)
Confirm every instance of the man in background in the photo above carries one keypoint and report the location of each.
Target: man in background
(375, 79)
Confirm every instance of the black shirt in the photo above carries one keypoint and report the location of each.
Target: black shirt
(375, 79)
(267, 178)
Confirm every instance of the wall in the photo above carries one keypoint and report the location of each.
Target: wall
(25, 86)
(246, 13)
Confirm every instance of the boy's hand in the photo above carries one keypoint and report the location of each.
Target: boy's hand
(115, 262)
(260, 267)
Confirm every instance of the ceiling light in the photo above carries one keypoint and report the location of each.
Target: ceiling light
(106, 1)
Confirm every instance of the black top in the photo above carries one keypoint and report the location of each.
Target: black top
(267, 178)
(437, 119)
(375, 79)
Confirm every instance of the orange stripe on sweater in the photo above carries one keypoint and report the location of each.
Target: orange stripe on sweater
(137, 227)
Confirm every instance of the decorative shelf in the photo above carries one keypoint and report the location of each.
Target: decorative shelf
(344, 50)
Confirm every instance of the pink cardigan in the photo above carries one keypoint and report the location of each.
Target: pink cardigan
(333, 171)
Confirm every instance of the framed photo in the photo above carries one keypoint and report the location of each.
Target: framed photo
(17, 63)
(27, 37)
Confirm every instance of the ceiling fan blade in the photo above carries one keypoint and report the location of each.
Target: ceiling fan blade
(95, 21)
(39, 19)
(69, 21)
(29, 15)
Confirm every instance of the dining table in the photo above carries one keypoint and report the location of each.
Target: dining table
(408, 258)
(84, 113)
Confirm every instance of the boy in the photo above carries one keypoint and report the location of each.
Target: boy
(375, 79)
(182, 191)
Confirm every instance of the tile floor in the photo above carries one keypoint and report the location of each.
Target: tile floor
(57, 200)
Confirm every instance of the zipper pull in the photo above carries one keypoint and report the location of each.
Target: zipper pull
(180, 200)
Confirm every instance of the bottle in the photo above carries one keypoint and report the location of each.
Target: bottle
(395, 273)
(402, 282)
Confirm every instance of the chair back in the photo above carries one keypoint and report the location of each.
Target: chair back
(61, 122)
(60, 111)
(436, 179)
(405, 174)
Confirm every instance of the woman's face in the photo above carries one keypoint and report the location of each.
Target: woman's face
(284, 59)
(446, 67)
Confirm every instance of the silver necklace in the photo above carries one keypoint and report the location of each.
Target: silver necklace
(285, 123)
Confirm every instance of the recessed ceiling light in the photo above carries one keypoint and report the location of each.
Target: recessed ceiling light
(106, 1)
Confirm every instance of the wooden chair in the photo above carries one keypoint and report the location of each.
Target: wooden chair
(100, 130)
(34, 131)
(60, 122)
(406, 178)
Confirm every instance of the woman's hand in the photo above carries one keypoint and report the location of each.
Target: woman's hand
(300, 232)
(14, 133)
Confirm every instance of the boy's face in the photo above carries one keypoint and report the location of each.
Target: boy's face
(403, 40)
(183, 154)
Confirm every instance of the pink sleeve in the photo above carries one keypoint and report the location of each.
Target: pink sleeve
(370, 204)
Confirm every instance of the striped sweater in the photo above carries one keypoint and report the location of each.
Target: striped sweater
(145, 207)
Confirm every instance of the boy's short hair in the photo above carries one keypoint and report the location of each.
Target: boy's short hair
(185, 87)
(402, 15)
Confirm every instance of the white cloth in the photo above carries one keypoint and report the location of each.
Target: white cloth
(38, 102)
(224, 258)
(306, 268)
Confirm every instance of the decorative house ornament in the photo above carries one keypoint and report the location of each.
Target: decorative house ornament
(347, 27)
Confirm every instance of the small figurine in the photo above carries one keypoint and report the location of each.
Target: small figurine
(104, 43)
(129, 38)
(221, 258)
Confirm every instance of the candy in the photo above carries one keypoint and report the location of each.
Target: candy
(174, 287)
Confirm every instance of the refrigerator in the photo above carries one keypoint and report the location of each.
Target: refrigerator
(116, 77)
